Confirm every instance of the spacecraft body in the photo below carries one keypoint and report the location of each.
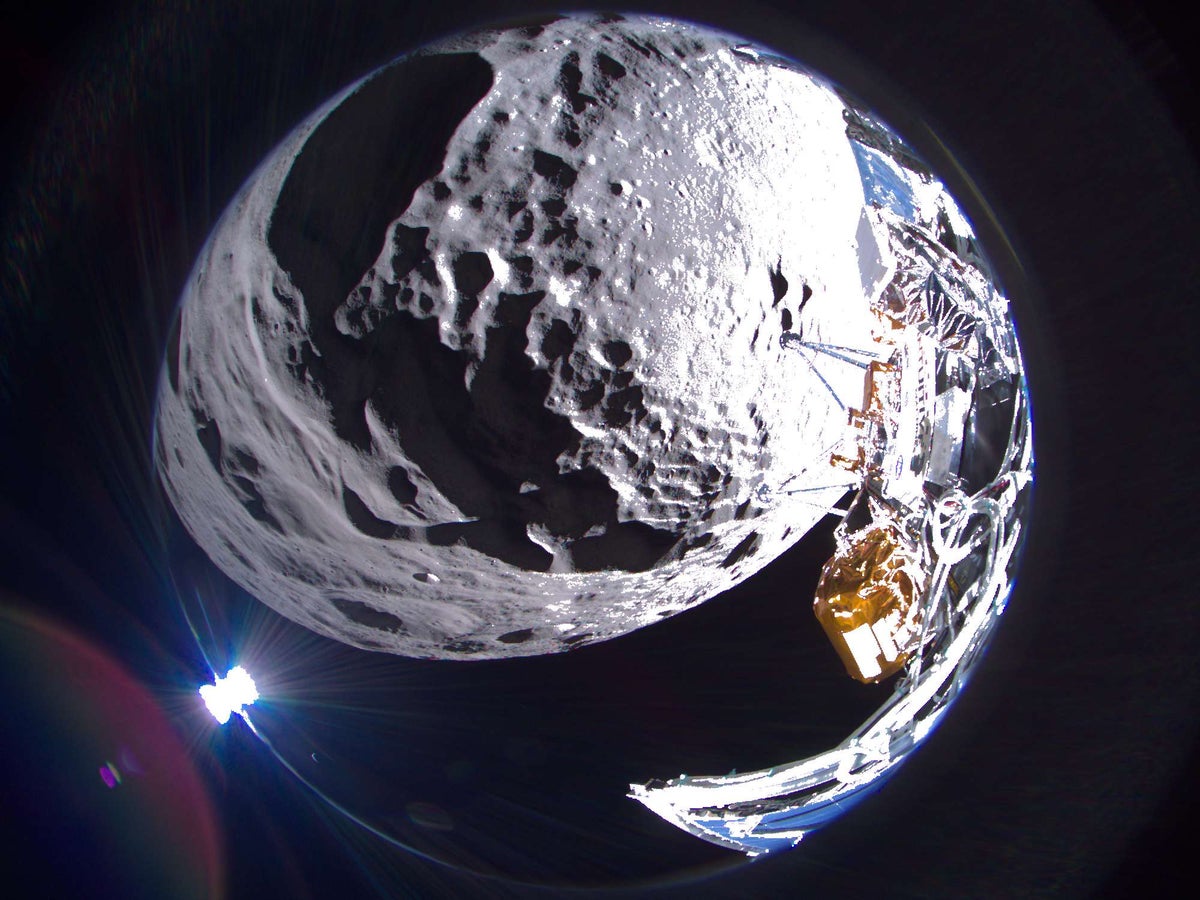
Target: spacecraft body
(938, 450)
(923, 393)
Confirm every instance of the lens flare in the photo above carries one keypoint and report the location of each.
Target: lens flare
(229, 695)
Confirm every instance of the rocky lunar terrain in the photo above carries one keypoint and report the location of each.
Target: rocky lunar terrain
(485, 359)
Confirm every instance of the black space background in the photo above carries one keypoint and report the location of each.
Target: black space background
(1070, 767)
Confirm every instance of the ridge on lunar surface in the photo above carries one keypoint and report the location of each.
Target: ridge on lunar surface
(485, 359)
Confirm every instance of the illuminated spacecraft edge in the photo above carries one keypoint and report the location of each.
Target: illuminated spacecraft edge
(942, 447)
(757, 812)
(229, 695)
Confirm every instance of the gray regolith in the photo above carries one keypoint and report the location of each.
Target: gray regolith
(484, 360)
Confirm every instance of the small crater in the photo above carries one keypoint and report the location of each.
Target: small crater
(577, 638)
(570, 133)
(472, 272)
(441, 190)
(618, 353)
(558, 340)
(410, 251)
(208, 433)
(609, 67)
(363, 519)
(639, 47)
(462, 314)
(591, 396)
(554, 207)
(365, 614)
(500, 117)
(516, 637)
(616, 188)
(570, 79)
(564, 228)
(554, 169)
(622, 380)
(779, 284)
(523, 266)
(245, 461)
(621, 405)
(748, 545)
(426, 577)
(401, 485)
(785, 318)
(515, 310)
(524, 228)
(238, 555)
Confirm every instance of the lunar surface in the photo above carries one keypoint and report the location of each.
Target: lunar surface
(485, 359)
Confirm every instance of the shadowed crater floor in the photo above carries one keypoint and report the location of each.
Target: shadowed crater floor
(491, 448)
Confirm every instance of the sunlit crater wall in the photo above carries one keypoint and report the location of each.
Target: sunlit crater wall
(485, 359)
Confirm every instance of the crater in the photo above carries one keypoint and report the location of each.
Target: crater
(618, 353)
(472, 272)
(779, 284)
(554, 169)
(516, 637)
(252, 501)
(364, 520)
(208, 433)
(365, 614)
(747, 546)
(401, 485)
(609, 67)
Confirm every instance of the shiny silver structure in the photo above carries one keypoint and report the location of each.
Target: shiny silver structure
(957, 471)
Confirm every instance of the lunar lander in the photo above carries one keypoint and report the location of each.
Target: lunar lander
(939, 451)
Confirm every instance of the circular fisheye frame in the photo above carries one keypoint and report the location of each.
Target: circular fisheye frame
(589, 341)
